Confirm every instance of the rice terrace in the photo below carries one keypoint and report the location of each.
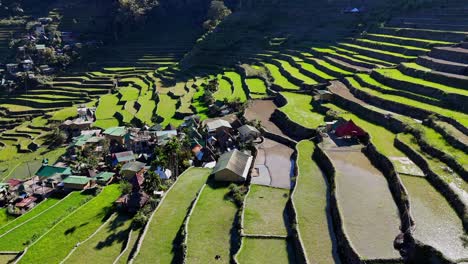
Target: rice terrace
(234, 131)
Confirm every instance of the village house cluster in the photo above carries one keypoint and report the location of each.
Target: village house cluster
(42, 50)
(96, 157)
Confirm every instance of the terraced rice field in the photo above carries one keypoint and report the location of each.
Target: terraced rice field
(106, 244)
(73, 228)
(435, 218)
(264, 212)
(311, 199)
(299, 109)
(165, 224)
(257, 250)
(366, 204)
(211, 226)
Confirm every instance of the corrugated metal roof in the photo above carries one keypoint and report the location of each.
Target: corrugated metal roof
(235, 161)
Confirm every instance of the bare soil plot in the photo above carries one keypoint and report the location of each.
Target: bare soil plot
(274, 164)
(262, 110)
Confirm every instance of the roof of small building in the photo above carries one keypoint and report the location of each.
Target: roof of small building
(215, 124)
(166, 133)
(235, 161)
(133, 166)
(104, 176)
(125, 156)
(246, 129)
(115, 131)
(49, 171)
(72, 179)
(26, 201)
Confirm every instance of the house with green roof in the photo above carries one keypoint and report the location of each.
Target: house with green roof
(77, 182)
(104, 178)
(49, 172)
(116, 134)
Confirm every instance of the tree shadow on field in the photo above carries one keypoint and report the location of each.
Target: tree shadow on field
(114, 237)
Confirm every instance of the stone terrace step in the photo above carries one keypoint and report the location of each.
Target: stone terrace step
(455, 54)
(441, 35)
(443, 65)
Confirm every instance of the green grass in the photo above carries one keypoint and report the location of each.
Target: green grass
(127, 116)
(332, 67)
(107, 106)
(145, 114)
(209, 229)
(274, 251)
(300, 110)
(166, 108)
(311, 68)
(296, 73)
(279, 79)
(310, 199)
(238, 91)
(264, 211)
(129, 94)
(106, 245)
(65, 114)
(73, 229)
(397, 75)
(133, 240)
(157, 246)
(460, 117)
(5, 218)
(256, 85)
(16, 221)
(437, 141)
(106, 123)
(224, 90)
(24, 235)
(139, 82)
(200, 107)
(415, 66)
(435, 164)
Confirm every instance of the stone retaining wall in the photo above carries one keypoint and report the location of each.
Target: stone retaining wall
(347, 253)
(434, 77)
(456, 100)
(447, 136)
(403, 109)
(439, 184)
(301, 256)
(398, 190)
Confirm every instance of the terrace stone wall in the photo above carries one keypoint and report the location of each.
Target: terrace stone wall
(447, 136)
(398, 190)
(180, 251)
(434, 77)
(439, 184)
(375, 117)
(345, 248)
(460, 101)
(287, 126)
(403, 109)
(301, 256)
